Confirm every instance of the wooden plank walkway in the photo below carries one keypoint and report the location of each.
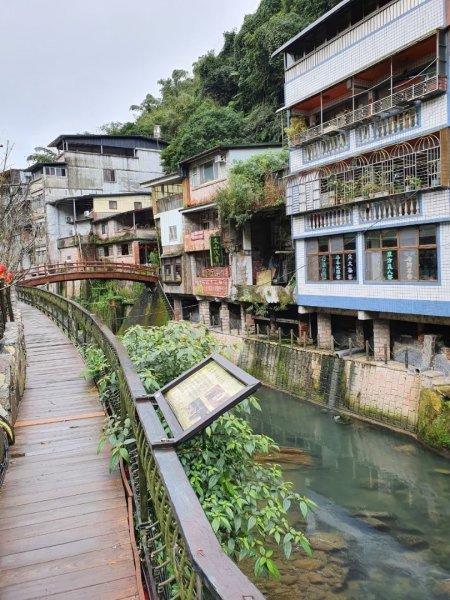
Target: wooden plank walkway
(63, 518)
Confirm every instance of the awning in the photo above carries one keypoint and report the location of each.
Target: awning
(198, 208)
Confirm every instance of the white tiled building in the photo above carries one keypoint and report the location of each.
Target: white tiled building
(366, 94)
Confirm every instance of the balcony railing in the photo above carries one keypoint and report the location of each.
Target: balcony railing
(353, 35)
(402, 97)
(405, 169)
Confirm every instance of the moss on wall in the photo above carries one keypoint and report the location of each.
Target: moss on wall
(434, 417)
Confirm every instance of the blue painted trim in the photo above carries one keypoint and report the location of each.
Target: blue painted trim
(371, 34)
(381, 144)
(385, 225)
(344, 148)
(433, 308)
(387, 138)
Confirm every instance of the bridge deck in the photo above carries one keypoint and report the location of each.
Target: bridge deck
(63, 518)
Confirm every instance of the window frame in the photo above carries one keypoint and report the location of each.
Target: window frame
(401, 249)
(174, 266)
(109, 176)
(330, 253)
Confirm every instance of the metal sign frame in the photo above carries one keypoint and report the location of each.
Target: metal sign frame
(249, 383)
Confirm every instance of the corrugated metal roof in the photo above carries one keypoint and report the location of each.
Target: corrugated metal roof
(312, 26)
(120, 141)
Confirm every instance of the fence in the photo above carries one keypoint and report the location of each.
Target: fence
(181, 555)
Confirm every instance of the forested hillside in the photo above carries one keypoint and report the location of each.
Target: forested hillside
(232, 96)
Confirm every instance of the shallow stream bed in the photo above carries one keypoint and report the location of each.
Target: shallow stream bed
(382, 528)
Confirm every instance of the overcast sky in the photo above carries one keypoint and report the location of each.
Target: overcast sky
(69, 67)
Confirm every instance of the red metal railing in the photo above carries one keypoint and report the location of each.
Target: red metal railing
(89, 267)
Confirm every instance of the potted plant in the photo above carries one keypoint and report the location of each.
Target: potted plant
(412, 183)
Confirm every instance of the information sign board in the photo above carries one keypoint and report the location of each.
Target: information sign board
(198, 397)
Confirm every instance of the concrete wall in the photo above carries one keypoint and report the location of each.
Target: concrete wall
(386, 394)
(12, 367)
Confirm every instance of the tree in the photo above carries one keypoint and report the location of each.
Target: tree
(209, 126)
(16, 231)
(42, 154)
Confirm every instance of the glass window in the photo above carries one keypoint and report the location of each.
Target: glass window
(171, 269)
(113, 204)
(137, 205)
(408, 254)
(332, 258)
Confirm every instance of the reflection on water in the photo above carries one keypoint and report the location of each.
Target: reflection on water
(388, 498)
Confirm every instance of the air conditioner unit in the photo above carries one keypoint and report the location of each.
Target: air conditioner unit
(220, 158)
(87, 213)
(69, 219)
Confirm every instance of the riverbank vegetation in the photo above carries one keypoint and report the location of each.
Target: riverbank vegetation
(247, 502)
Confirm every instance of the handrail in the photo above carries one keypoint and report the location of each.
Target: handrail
(89, 266)
(350, 119)
(181, 552)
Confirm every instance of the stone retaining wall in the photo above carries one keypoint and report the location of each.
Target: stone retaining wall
(386, 393)
(12, 367)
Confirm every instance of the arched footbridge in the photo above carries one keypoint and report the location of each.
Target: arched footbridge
(74, 271)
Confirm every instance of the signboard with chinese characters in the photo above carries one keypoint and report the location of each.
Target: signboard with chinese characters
(218, 287)
(197, 235)
(195, 399)
(215, 248)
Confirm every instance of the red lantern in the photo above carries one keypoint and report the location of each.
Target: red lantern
(9, 278)
(2, 271)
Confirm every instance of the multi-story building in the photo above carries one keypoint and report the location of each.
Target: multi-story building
(211, 270)
(368, 187)
(86, 166)
(112, 226)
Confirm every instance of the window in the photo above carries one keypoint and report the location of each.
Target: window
(37, 202)
(332, 258)
(55, 171)
(103, 228)
(113, 204)
(408, 254)
(173, 234)
(208, 171)
(109, 176)
(171, 269)
(137, 205)
(124, 249)
(103, 252)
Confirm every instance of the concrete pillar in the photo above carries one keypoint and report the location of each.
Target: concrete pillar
(225, 317)
(177, 309)
(203, 312)
(324, 332)
(359, 335)
(381, 338)
(304, 328)
(247, 320)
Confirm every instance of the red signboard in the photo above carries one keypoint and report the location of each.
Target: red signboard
(218, 287)
(198, 235)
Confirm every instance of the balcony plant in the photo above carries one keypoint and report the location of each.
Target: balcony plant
(412, 183)
(297, 125)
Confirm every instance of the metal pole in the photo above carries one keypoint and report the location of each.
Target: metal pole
(304, 340)
(279, 335)
(367, 350)
(407, 358)
(332, 344)
(292, 337)
(257, 329)
(268, 332)
(350, 346)
(385, 354)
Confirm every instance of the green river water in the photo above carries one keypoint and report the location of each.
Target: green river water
(382, 528)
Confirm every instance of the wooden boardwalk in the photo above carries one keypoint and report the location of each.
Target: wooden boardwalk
(63, 518)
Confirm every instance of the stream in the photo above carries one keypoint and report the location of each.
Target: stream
(382, 527)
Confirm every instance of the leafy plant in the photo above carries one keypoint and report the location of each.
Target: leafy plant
(297, 125)
(246, 189)
(247, 502)
(118, 435)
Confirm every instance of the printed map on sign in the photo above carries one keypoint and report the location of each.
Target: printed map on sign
(200, 394)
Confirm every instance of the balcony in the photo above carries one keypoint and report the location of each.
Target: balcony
(198, 241)
(397, 25)
(214, 282)
(392, 104)
(72, 241)
(405, 168)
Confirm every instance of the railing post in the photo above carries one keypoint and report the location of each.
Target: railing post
(407, 358)
(350, 346)
(385, 354)
(279, 335)
(367, 350)
(292, 337)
